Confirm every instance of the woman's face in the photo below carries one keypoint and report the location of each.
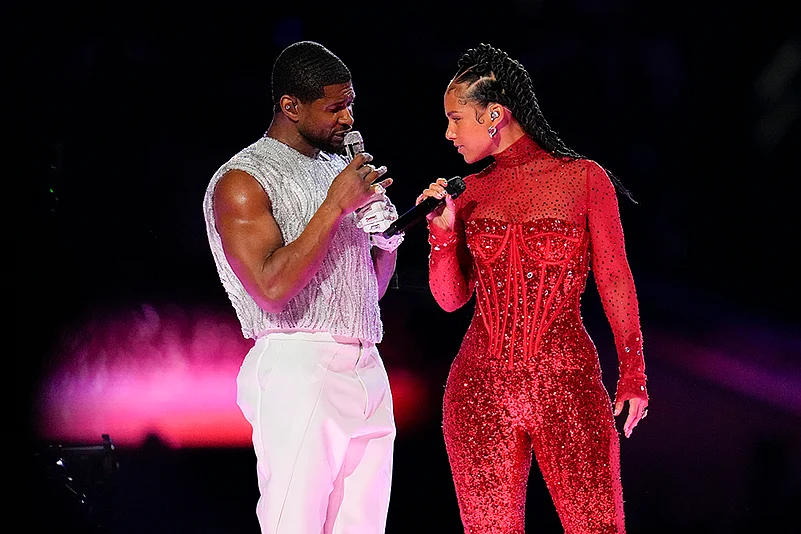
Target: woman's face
(467, 126)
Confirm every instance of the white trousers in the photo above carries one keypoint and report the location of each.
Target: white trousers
(323, 433)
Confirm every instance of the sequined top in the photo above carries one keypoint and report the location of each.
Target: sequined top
(342, 297)
(529, 228)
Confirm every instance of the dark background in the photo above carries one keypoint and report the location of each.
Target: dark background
(127, 111)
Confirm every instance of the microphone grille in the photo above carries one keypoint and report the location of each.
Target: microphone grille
(353, 137)
(353, 144)
(456, 186)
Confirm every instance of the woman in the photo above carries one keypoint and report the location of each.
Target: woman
(527, 377)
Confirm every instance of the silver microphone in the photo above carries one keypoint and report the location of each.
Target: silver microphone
(353, 144)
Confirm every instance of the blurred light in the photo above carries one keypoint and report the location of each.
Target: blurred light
(168, 372)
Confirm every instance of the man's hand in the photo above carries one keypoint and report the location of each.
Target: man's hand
(354, 187)
(377, 215)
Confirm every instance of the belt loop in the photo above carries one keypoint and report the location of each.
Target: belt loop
(361, 351)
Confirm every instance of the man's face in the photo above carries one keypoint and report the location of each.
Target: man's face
(324, 122)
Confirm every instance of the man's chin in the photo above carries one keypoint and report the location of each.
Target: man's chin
(337, 144)
(331, 146)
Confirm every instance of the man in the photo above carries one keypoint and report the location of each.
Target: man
(286, 226)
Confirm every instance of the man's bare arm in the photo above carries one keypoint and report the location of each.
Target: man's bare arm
(384, 263)
(272, 272)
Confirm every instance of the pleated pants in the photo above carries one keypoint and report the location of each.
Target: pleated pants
(323, 433)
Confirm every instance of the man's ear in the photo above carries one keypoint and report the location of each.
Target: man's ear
(289, 107)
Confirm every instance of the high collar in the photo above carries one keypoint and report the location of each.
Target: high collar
(520, 152)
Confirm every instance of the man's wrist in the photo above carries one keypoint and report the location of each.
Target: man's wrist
(388, 244)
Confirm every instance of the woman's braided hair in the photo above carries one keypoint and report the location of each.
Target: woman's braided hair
(490, 75)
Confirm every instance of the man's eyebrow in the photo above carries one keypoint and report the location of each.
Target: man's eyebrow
(343, 101)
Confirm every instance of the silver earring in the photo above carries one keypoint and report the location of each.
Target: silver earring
(493, 115)
(492, 130)
(287, 106)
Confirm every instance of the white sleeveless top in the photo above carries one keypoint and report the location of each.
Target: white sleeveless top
(342, 297)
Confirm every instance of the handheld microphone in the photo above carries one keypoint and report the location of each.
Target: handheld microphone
(353, 144)
(454, 188)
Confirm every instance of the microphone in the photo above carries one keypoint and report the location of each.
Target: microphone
(454, 188)
(353, 144)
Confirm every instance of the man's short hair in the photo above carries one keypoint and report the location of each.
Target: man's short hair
(303, 69)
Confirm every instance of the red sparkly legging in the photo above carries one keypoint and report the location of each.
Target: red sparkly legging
(495, 415)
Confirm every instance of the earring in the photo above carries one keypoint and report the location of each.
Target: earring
(493, 115)
(492, 130)
(287, 106)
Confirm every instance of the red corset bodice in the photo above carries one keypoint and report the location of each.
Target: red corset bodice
(526, 276)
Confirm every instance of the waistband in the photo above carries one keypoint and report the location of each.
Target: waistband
(322, 337)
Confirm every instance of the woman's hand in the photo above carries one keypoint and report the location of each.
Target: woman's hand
(638, 409)
(444, 217)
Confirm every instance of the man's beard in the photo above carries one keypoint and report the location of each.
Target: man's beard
(323, 144)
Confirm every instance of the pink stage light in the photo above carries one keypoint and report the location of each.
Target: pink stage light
(166, 371)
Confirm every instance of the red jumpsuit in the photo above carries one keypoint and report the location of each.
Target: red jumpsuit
(527, 376)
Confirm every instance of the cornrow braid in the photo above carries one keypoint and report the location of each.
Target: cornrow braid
(490, 75)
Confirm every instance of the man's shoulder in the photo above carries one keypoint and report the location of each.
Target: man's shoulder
(258, 149)
(258, 157)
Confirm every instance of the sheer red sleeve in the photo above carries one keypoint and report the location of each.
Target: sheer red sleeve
(450, 267)
(615, 283)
